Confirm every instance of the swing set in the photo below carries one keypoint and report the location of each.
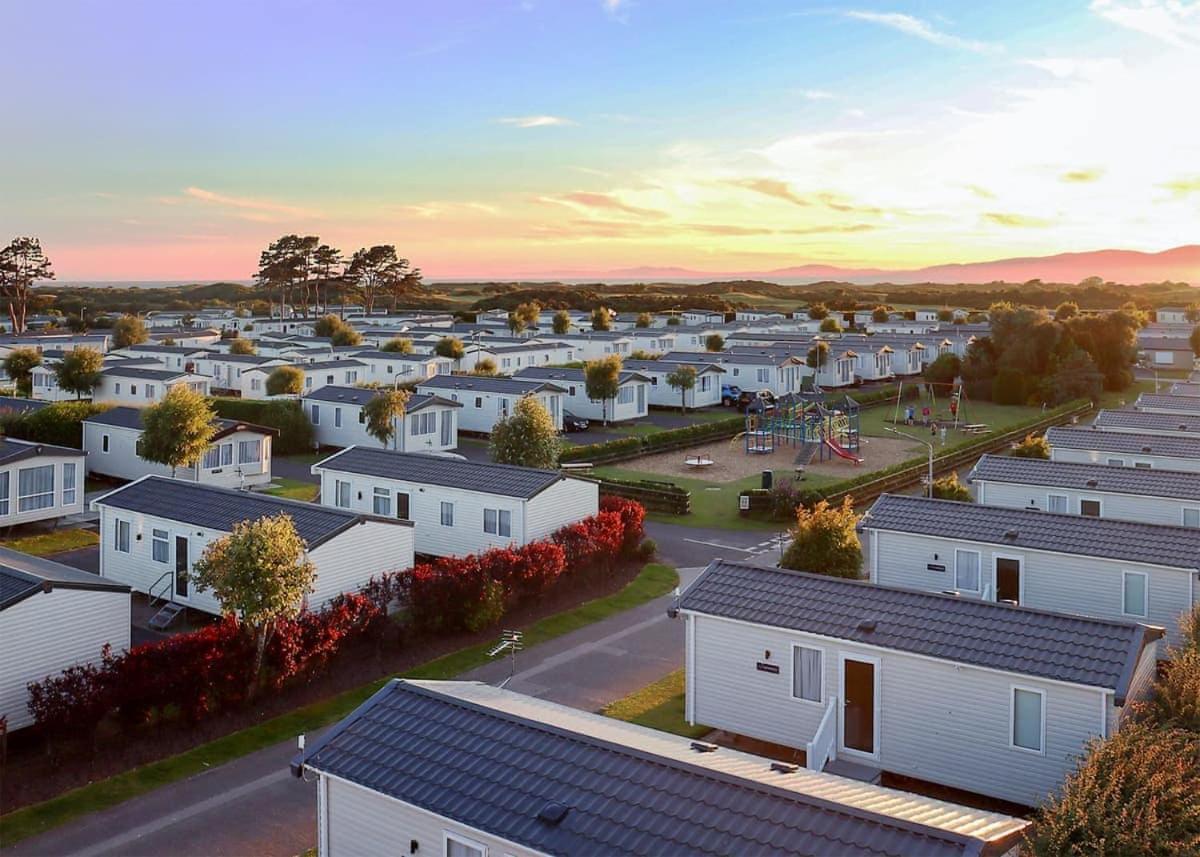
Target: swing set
(806, 421)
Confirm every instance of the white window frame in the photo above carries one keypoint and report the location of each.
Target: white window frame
(315, 413)
(820, 701)
(1115, 462)
(165, 541)
(6, 492)
(26, 502)
(338, 484)
(1099, 506)
(212, 458)
(1183, 513)
(1125, 575)
(492, 515)
(1066, 498)
(127, 528)
(448, 837)
(442, 516)
(978, 570)
(1012, 719)
(70, 492)
(254, 459)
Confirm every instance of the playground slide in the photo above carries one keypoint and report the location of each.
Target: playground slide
(841, 451)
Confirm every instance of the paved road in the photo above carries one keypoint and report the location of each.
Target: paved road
(254, 806)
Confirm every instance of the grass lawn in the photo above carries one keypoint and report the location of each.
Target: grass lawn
(999, 418)
(658, 706)
(1126, 398)
(307, 457)
(654, 581)
(44, 544)
(293, 489)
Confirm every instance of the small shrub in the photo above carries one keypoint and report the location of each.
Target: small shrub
(1033, 446)
(1176, 702)
(949, 488)
(784, 499)
(647, 550)
(825, 541)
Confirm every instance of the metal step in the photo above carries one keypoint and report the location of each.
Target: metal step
(807, 450)
(166, 616)
(853, 771)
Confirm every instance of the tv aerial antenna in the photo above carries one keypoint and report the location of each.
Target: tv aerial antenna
(511, 642)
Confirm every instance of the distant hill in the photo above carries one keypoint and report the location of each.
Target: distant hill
(1179, 264)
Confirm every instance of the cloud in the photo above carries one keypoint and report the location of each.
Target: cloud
(817, 94)
(981, 192)
(249, 208)
(589, 200)
(728, 229)
(535, 121)
(841, 228)
(771, 187)
(1183, 186)
(1071, 67)
(618, 10)
(1085, 176)
(1017, 221)
(921, 29)
(1172, 21)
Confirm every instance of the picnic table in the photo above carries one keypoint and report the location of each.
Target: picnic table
(976, 428)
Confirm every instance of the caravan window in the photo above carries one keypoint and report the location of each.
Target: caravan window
(1028, 719)
(807, 674)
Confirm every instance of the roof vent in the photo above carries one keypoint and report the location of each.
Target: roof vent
(553, 813)
(866, 626)
(1092, 483)
(784, 767)
(1145, 449)
(702, 747)
(1183, 427)
(1011, 534)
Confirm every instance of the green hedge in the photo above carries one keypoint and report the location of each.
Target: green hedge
(60, 423)
(295, 431)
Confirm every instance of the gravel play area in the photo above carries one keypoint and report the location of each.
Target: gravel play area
(731, 462)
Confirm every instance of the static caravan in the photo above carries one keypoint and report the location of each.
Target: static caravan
(632, 401)
(777, 370)
(582, 784)
(153, 530)
(226, 370)
(1169, 497)
(126, 385)
(1167, 352)
(485, 399)
(178, 357)
(1172, 315)
(705, 392)
(1168, 404)
(52, 617)
(39, 481)
(187, 337)
(1124, 449)
(594, 345)
(44, 378)
(458, 507)
(429, 423)
(996, 700)
(386, 367)
(316, 375)
(509, 359)
(874, 361)
(239, 455)
(1145, 422)
(651, 340)
(702, 316)
(1092, 566)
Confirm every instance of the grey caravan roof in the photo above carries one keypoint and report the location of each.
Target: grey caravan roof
(1126, 443)
(506, 480)
(1175, 484)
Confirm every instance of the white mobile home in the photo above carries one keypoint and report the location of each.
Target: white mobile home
(752, 369)
(1145, 422)
(39, 482)
(126, 385)
(1168, 404)
(703, 316)
(52, 617)
(632, 401)
(177, 357)
(226, 370)
(585, 784)
(429, 423)
(388, 367)
(592, 345)
(1167, 352)
(1171, 315)
(705, 393)
(1169, 497)
(486, 399)
(239, 455)
(510, 358)
(1124, 449)
(316, 375)
(995, 700)
(153, 530)
(1092, 566)
(458, 507)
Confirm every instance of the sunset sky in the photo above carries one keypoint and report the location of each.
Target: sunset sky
(163, 140)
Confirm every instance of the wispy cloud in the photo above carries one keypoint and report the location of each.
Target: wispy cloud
(841, 228)
(618, 10)
(1173, 21)
(1069, 67)
(250, 208)
(1085, 176)
(921, 29)
(981, 192)
(589, 201)
(1017, 221)
(1183, 186)
(535, 121)
(817, 94)
(771, 187)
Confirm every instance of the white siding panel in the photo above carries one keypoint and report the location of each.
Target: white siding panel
(1124, 507)
(1141, 688)
(57, 509)
(48, 632)
(1090, 456)
(564, 502)
(346, 563)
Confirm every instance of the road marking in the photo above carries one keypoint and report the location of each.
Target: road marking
(131, 836)
(720, 545)
(588, 648)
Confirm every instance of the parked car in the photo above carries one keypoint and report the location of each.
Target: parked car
(574, 423)
(730, 394)
(733, 396)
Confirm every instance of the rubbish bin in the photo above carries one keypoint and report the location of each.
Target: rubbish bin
(768, 479)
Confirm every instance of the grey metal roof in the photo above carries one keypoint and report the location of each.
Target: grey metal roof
(12, 403)
(1174, 484)
(361, 395)
(134, 418)
(488, 384)
(1129, 443)
(166, 349)
(1182, 404)
(375, 354)
(671, 365)
(1059, 646)
(506, 480)
(15, 450)
(1185, 389)
(1164, 343)
(496, 771)
(330, 364)
(550, 373)
(119, 370)
(221, 508)
(23, 575)
(1157, 544)
(1147, 422)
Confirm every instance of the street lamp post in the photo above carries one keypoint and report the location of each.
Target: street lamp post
(928, 445)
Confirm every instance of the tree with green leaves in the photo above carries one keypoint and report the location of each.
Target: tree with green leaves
(643, 320)
(880, 314)
(949, 488)
(818, 355)
(601, 318)
(373, 271)
(346, 335)
(398, 345)
(714, 342)
(818, 311)
(450, 347)
(824, 541)
(328, 325)
(260, 574)
(561, 322)
(1066, 310)
(1033, 446)
(19, 365)
(22, 263)
(326, 268)
(944, 369)
(242, 346)
(945, 315)
(129, 330)
(1192, 312)
(178, 430)
(484, 366)
(682, 378)
(286, 264)
(79, 371)
(383, 411)
(602, 378)
(530, 314)
(516, 324)
(527, 437)
(830, 325)
(402, 284)
(674, 321)
(285, 380)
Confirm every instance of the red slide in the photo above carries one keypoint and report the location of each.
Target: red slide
(841, 451)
